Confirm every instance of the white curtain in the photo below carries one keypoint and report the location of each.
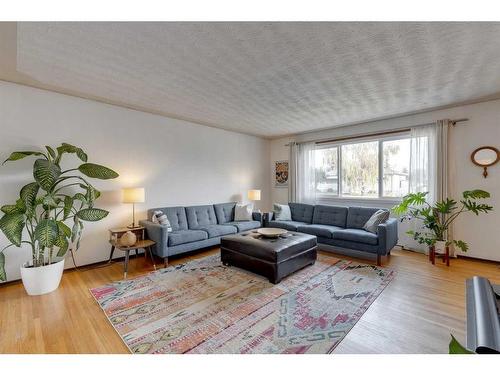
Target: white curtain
(423, 160)
(292, 174)
(428, 169)
(306, 181)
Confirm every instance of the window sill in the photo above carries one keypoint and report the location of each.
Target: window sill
(344, 200)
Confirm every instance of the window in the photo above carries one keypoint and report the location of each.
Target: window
(396, 165)
(360, 170)
(326, 171)
(364, 169)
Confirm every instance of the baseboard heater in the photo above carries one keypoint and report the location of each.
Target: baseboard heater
(483, 316)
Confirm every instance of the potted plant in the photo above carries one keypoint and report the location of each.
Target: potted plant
(39, 217)
(437, 217)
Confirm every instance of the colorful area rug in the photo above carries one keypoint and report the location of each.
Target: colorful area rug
(205, 307)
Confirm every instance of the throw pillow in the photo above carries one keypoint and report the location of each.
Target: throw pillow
(243, 212)
(282, 212)
(377, 218)
(160, 218)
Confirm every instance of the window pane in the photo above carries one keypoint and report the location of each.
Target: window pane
(360, 169)
(396, 165)
(326, 161)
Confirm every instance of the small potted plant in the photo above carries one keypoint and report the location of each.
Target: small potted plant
(39, 217)
(436, 218)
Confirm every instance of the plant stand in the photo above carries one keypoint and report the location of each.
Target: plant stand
(446, 255)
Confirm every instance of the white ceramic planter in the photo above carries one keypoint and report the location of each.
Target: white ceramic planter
(440, 247)
(42, 280)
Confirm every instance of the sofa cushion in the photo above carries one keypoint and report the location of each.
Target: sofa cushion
(302, 212)
(282, 212)
(243, 212)
(358, 246)
(224, 212)
(288, 224)
(185, 236)
(319, 230)
(198, 216)
(217, 230)
(330, 215)
(379, 217)
(356, 235)
(358, 216)
(176, 216)
(243, 226)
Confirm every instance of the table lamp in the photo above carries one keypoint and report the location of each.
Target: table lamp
(133, 195)
(254, 195)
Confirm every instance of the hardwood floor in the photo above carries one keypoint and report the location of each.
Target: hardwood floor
(415, 314)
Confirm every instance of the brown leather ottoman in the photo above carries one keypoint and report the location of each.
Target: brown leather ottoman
(273, 258)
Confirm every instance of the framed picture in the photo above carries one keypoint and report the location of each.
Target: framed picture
(281, 173)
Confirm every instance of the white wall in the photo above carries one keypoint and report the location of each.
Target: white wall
(483, 128)
(179, 163)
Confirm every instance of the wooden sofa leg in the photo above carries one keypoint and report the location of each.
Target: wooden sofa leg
(165, 262)
(379, 260)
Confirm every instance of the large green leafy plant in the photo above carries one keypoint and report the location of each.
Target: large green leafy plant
(438, 217)
(46, 205)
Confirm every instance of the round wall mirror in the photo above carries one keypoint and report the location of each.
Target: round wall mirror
(485, 157)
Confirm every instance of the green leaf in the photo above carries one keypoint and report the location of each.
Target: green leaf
(63, 229)
(76, 233)
(46, 173)
(446, 206)
(70, 149)
(28, 195)
(51, 152)
(97, 171)
(456, 348)
(68, 205)
(75, 229)
(12, 226)
(81, 155)
(461, 245)
(3, 274)
(18, 208)
(47, 232)
(80, 197)
(91, 194)
(63, 244)
(17, 155)
(92, 214)
(413, 199)
(49, 202)
(9, 209)
(475, 194)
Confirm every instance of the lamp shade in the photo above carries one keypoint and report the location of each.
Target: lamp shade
(254, 195)
(133, 195)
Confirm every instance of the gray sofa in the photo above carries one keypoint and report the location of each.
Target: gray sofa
(341, 227)
(195, 227)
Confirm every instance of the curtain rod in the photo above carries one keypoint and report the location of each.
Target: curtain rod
(365, 135)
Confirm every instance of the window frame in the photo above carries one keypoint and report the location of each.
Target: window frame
(325, 197)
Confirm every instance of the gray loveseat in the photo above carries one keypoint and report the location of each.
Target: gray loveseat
(195, 227)
(341, 227)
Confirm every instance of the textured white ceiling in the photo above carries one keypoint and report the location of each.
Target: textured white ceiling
(267, 79)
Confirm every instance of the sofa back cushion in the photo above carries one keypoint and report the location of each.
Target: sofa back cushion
(176, 216)
(302, 212)
(358, 216)
(224, 212)
(199, 216)
(330, 215)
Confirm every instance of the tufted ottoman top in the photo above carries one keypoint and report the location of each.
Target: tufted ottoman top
(270, 249)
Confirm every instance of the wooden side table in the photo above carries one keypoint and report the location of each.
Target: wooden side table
(141, 243)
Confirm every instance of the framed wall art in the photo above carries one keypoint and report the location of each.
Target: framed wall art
(281, 173)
